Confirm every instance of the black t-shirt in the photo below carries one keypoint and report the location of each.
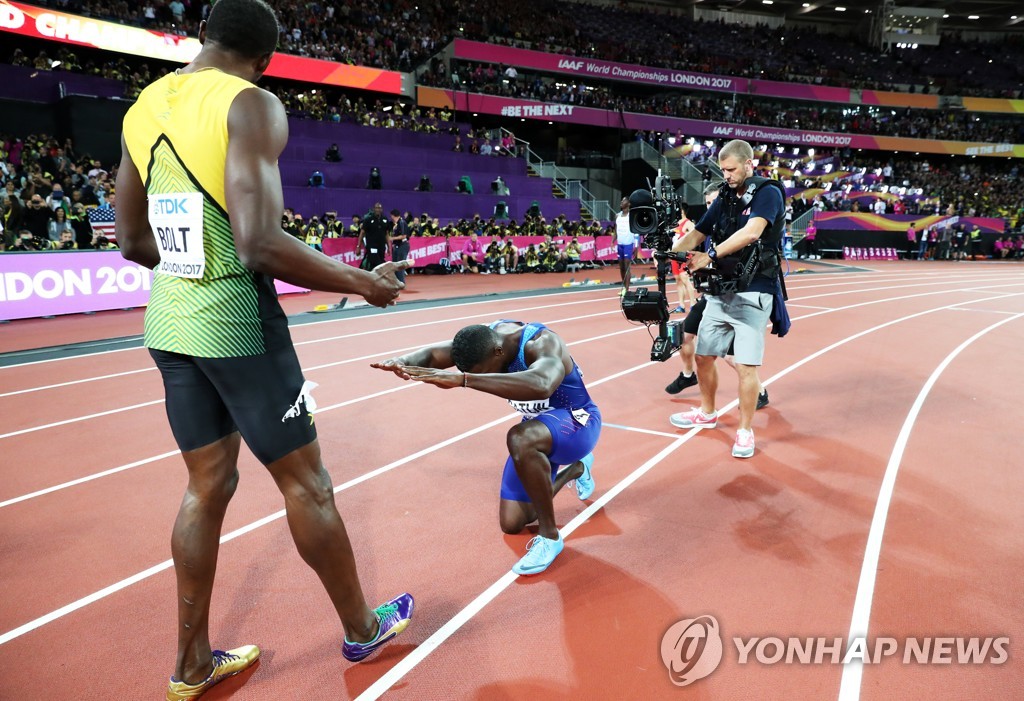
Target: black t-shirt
(376, 229)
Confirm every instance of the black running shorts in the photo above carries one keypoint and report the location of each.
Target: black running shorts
(259, 396)
(692, 321)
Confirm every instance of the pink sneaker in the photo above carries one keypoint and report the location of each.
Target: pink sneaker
(694, 418)
(744, 445)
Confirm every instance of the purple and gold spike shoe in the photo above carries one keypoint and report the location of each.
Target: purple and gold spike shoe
(393, 616)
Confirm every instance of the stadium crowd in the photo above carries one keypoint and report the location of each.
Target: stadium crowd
(52, 195)
(402, 34)
(854, 119)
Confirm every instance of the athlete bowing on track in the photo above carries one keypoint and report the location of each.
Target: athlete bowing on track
(529, 365)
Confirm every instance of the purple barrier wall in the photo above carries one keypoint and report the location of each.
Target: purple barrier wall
(296, 173)
(21, 83)
(308, 201)
(371, 154)
(346, 130)
(385, 138)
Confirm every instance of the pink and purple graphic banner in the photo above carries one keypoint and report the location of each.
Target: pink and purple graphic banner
(669, 77)
(49, 284)
(863, 221)
(558, 112)
(594, 67)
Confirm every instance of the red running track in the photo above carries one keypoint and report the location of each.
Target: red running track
(895, 380)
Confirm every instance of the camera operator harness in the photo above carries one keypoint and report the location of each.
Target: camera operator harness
(654, 213)
(735, 272)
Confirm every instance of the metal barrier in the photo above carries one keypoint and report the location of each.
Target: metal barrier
(571, 189)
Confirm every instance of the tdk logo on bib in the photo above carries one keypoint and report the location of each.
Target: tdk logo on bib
(168, 206)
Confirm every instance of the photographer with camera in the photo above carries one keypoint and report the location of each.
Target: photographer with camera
(739, 277)
(691, 325)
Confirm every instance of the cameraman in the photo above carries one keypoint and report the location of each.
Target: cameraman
(748, 211)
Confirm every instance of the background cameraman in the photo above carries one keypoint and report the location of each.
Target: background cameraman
(735, 318)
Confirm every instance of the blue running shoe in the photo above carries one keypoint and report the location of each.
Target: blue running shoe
(540, 553)
(585, 482)
(393, 616)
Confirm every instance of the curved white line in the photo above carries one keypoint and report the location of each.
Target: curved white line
(853, 671)
(410, 661)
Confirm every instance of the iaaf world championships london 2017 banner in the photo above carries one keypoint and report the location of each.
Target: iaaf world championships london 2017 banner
(559, 112)
(44, 23)
(669, 77)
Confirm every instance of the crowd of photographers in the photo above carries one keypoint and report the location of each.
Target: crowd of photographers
(48, 190)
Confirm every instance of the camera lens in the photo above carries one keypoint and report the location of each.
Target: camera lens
(643, 220)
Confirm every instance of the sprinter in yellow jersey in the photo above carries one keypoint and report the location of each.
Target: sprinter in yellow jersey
(200, 202)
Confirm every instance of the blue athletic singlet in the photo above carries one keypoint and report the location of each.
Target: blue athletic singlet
(570, 415)
(571, 394)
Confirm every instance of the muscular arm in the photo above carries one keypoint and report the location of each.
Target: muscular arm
(539, 380)
(258, 131)
(437, 356)
(134, 235)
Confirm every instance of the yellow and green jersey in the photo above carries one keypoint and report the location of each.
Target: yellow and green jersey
(204, 302)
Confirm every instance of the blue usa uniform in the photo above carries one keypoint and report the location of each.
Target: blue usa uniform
(569, 413)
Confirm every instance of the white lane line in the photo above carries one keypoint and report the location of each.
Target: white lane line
(418, 654)
(383, 354)
(795, 284)
(88, 478)
(317, 367)
(631, 428)
(356, 400)
(853, 671)
(107, 591)
(166, 564)
(806, 306)
(806, 316)
(80, 418)
(410, 661)
(355, 318)
(76, 382)
(982, 311)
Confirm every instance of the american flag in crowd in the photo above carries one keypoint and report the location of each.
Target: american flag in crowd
(102, 221)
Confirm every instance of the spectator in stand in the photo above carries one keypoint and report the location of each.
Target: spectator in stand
(911, 241)
(472, 254)
(37, 217)
(59, 225)
(13, 217)
(66, 242)
(333, 155)
(457, 146)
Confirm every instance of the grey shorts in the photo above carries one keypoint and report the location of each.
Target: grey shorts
(738, 319)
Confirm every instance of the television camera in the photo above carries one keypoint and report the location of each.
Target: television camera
(653, 214)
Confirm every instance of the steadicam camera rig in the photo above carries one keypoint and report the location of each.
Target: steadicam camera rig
(653, 214)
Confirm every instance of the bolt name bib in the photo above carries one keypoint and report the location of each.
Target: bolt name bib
(177, 222)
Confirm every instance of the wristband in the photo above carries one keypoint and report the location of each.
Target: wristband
(465, 380)
(712, 254)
